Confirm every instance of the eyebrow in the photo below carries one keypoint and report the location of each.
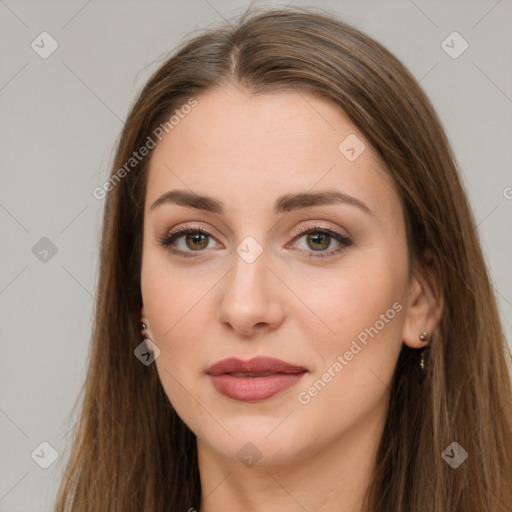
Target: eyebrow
(284, 203)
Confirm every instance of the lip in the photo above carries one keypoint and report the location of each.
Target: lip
(254, 380)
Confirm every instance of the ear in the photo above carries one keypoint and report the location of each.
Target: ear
(424, 305)
(143, 317)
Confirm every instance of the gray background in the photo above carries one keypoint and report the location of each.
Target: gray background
(60, 119)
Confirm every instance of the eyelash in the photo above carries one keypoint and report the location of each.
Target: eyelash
(344, 241)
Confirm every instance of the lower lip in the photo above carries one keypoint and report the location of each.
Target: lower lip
(253, 389)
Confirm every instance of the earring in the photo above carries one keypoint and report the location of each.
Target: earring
(142, 327)
(152, 350)
(422, 360)
(424, 336)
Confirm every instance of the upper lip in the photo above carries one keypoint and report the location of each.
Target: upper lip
(255, 365)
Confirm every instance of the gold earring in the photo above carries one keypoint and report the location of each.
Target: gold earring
(422, 360)
(424, 336)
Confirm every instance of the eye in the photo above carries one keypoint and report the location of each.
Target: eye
(195, 238)
(319, 238)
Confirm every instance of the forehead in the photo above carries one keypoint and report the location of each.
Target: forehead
(253, 148)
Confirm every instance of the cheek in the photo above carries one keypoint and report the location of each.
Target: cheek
(175, 309)
(354, 364)
(356, 296)
(179, 313)
(362, 311)
(175, 327)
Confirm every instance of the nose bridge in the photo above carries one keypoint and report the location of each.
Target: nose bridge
(249, 272)
(248, 296)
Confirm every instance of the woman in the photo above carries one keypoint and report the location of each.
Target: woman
(293, 307)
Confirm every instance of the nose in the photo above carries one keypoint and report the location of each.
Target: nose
(250, 297)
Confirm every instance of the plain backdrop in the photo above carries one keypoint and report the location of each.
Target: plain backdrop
(61, 117)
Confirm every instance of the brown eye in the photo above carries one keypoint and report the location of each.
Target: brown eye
(186, 241)
(318, 239)
(196, 241)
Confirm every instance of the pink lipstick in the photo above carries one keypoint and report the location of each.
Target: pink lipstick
(254, 380)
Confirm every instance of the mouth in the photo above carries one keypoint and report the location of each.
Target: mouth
(257, 366)
(254, 380)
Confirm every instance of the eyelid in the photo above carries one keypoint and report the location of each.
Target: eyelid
(191, 227)
(321, 227)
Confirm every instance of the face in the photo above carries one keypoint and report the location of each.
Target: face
(318, 282)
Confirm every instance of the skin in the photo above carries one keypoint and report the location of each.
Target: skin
(246, 151)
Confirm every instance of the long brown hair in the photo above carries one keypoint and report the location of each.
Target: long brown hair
(132, 452)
